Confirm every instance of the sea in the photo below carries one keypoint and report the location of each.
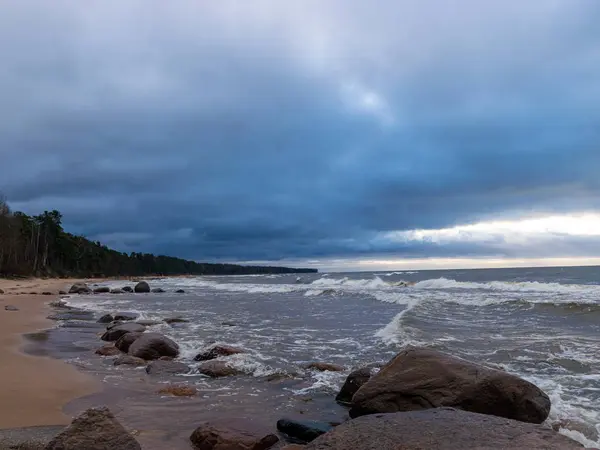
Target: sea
(542, 324)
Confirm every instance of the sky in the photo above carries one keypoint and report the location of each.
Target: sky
(337, 134)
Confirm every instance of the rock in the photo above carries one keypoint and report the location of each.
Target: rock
(62, 293)
(420, 378)
(161, 367)
(79, 288)
(233, 434)
(153, 346)
(117, 291)
(116, 332)
(106, 318)
(304, 431)
(95, 429)
(166, 358)
(142, 287)
(180, 291)
(126, 316)
(125, 341)
(58, 303)
(127, 289)
(171, 320)
(11, 308)
(126, 360)
(218, 351)
(325, 367)
(228, 324)
(440, 429)
(149, 323)
(158, 290)
(353, 383)
(102, 290)
(108, 350)
(47, 293)
(217, 369)
(1, 291)
(114, 323)
(33, 293)
(179, 391)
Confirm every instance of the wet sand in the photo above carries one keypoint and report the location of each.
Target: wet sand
(34, 389)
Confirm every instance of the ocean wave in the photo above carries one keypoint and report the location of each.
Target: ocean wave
(522, 286)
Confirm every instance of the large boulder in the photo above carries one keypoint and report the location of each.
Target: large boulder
(353, 383)
(152, 346)
(125, 341)
(142, 287)
(233, 434)
(440, 429)
(303, 430)
(218, 369)
(95, 429)
(218, 351)
(80, 288)
(420, 378)
(161, 367)
(117, 331)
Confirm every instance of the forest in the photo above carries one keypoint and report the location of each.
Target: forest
(39, 246)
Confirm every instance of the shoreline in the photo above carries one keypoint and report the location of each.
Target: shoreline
(36, 388)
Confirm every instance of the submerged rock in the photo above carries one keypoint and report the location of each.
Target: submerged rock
(106, 318)
(233, 434)
(218, 369)
(108, 350)
(353, 383)
(102, 290)
(127, 289)
(421, 378)
(172, 320)
(440, 429)
(117, 291)
(303, 431)
(180, 291)
(127, 360)
(125, 341)
(152, 346)
(142, 287)
(80, 288)
(47, 293)
(148, 323)
(325, 367)
(126, 316)
(116, 332)
(161, 367)
(218, 351)
(158, 290)
(95, 429)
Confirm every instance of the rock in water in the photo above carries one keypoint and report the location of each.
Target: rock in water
(11, 308)
(217, 351)
(142, 287)
(95, 429)
(158, 290)
(180, 291)
(116, 332)
(125, 341)
(80, 288)
(353, 383)
(102, 290)
(126, 360)
(440, 429)
(127, 289)
(421, 378)
(172, 320)
(160, 367)
(108, 350)
(325, 367)
(217, 369)
(106, 318)
(117, 291)
(152, 346)
(233, 434)
(126, 316)
(303, 430)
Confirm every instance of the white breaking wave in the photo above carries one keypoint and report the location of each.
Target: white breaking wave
(372, 283)
(524, 286)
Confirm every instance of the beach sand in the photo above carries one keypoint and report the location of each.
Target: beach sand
(34, 389)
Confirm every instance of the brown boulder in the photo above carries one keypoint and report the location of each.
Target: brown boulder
(80, 288)
(324, 367)
(114, 333)
(126, 360)
(420, 378)
(440, 429)
(217, 369)
(95, 429)
(141, 287)
(125, 341)
(233, 434)
(353, 383)
(108, 350)
(218, 351)
(151, 346)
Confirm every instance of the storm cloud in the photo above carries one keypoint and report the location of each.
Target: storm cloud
(267, 130)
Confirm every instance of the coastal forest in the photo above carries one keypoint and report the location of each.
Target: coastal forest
(39, 246)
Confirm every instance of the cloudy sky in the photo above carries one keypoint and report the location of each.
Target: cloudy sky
(340, 134)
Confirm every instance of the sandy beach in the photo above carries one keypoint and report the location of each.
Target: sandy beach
(34, 388)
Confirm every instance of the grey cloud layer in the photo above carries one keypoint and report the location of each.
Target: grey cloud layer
(262, 130)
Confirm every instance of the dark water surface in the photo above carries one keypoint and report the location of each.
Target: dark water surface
(542, 324)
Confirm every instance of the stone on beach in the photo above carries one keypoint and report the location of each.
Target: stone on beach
(152, 346)
(179, 391)
(142, 287)
(324, 367)
(218, 351)
(125, 341)
(353, 383)
(127, 360)
(108, 350)
(303, 430)
(1, 291)
(79, 288)
(47, 293)
(440, 429)
(231, 433)
(218, 369)
(421, 378)
(11, 308)
(95, 429)
(160, 367)
(116, 332)
(102, 290)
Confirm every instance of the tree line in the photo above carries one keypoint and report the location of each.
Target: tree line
(39, 246)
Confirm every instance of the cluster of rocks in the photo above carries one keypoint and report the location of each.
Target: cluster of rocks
(141, 287)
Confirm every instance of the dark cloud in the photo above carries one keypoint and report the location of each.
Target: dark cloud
(273, 131)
